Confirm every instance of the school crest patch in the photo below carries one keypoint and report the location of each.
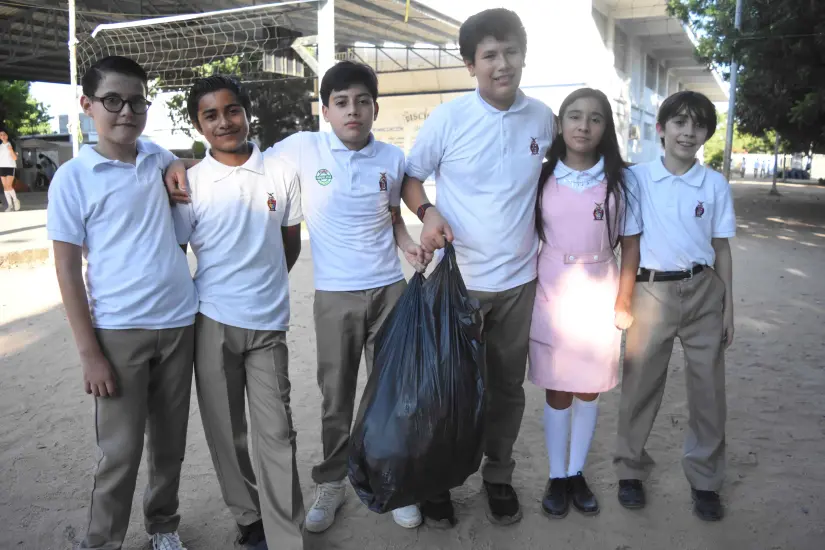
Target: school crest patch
(323, 177)
(700, 210)
(271, 203)
(382, 181)
(598, 212)
(534, 146)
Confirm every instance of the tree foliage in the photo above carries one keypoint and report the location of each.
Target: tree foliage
(781, 52)
(280, 107)
(19, 112)
(742, 143)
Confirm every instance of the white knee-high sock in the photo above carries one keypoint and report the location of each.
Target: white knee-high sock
(10, 196)
(585, 414)
(556, 433)
(16, 202)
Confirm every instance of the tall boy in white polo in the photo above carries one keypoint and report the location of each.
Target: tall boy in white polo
(233, 224)
(486, 150)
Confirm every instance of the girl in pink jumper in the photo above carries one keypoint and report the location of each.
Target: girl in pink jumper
(583, 300)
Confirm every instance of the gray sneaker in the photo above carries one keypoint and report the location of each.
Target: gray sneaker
(166, 541)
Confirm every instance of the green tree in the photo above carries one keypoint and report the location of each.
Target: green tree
(280, 107)
(742, 143)
(781, 52)
(19, 112)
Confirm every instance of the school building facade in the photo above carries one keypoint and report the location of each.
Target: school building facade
(630, 49)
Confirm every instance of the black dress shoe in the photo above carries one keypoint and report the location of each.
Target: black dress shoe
(706, 505)
(556, 501)
(583, 498)
(631, 494)
(252, 537)
(503, 503)
(439, 510)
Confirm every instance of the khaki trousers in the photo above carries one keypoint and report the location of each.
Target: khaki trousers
(507, 317)
(346, 324)
(153, 373)
(691, 310)
(229, 360)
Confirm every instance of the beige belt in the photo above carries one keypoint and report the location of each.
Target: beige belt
(580, 257)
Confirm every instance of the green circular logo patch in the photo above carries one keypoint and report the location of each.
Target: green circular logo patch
(323, 177)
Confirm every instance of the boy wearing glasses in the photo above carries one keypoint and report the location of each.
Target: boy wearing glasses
(133, 320)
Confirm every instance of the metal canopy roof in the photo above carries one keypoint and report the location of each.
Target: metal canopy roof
(34, 33)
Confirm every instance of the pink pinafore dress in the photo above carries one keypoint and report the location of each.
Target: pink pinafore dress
(574, 345)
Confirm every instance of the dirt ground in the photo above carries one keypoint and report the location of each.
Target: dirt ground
(776, 424)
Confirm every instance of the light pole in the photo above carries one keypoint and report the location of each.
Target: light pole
(734, 69)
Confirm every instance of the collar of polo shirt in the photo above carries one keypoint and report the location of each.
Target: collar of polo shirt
(336, 144)
(219, 171)
(518, 105)
(92, 159)
(595, 172)
(694, 177)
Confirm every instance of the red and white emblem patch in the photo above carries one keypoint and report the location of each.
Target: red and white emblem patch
(534, 146)
(598, 212)
(382, 181)
(271, 203)
(700, 210)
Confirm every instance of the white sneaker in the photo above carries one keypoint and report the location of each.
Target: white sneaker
(16, 205)
(166, 541)
(408, 517)
(329, 497)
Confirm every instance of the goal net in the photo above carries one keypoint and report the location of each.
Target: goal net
(254, 42)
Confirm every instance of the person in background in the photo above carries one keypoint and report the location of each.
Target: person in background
(8, 171)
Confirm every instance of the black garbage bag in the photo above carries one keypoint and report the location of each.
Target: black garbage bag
(419, 428)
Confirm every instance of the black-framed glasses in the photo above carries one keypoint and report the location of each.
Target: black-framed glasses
(114, 104)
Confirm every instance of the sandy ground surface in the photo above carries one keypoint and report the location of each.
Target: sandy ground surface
(776, 424)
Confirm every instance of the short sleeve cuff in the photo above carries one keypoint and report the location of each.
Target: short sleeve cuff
(292, 221)
(417, 173)
(76, 240)
(724, 234)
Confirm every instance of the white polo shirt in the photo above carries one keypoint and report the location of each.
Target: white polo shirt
(234, 226)
(6, 160)
(346, 196)
(487, 164)
(137, 276)
(681, 214)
